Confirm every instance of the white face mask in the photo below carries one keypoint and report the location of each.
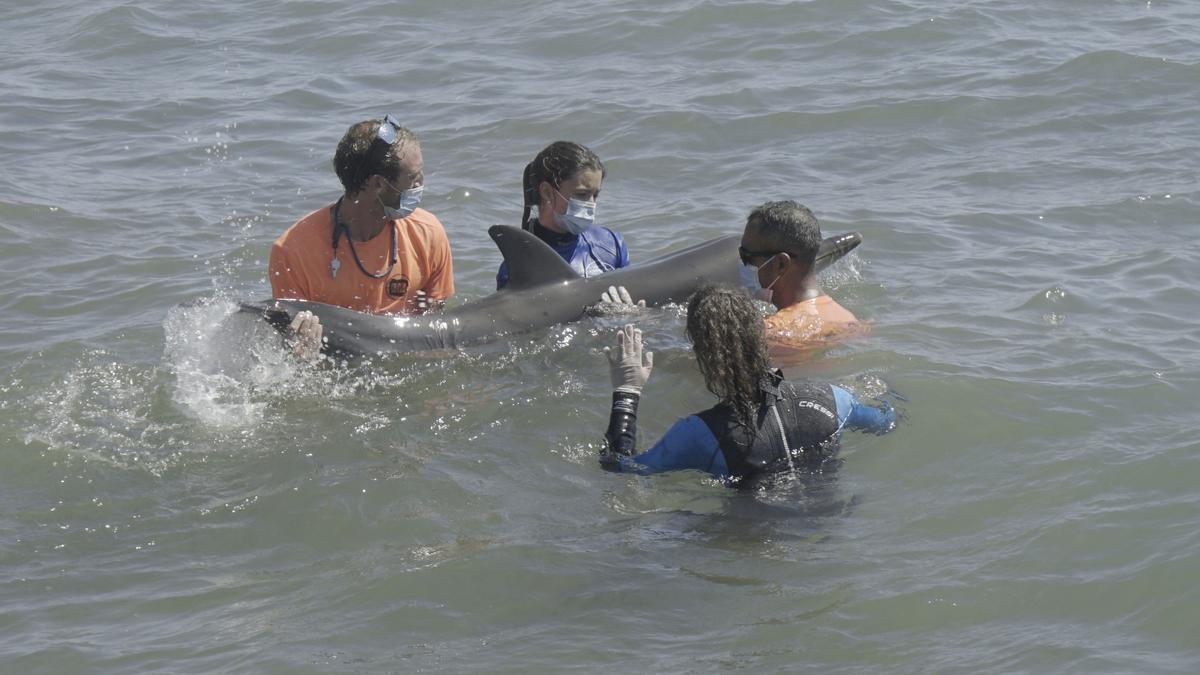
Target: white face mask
(409, 200)
(579, 216)
(749, 276)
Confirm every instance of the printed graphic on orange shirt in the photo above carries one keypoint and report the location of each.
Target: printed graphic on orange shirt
(398, 286)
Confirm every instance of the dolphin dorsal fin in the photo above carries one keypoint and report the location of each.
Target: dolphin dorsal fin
(531, 261)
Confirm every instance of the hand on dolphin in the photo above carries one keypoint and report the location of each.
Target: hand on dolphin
(305, 335)
(616, 301)
(628, 365)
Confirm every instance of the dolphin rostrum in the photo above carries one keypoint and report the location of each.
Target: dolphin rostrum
(542, 290)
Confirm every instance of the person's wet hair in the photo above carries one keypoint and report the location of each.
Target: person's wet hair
(788, 226)
(726, 330)
(557, 162)
(360, 155)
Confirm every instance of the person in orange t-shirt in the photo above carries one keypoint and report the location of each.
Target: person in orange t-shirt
(778, 249)
(373, 250)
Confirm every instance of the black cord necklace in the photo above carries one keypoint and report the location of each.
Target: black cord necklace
(339, 227)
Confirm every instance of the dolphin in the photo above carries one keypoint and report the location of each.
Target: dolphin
(542, 291)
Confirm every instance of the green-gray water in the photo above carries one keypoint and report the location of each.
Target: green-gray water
(176, 499)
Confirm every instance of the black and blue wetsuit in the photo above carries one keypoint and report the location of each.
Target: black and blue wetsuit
(797, 430)
(596, 251)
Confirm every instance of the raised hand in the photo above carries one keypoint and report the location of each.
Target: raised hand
(628, 365)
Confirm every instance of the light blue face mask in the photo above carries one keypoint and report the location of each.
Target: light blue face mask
(749, 277)
(579, 216)
(410, 199)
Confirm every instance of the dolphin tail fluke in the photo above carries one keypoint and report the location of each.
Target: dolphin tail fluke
(531, 261)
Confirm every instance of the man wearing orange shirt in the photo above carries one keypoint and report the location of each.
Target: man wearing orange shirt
(372, 250)
(779, 247)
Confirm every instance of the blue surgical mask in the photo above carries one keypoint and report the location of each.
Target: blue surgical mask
(749, 277)
(579, 216)
(410, 199)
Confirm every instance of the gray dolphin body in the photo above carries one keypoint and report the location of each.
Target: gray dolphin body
(542, 291)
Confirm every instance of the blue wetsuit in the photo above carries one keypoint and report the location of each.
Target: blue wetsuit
(596, 251)
(806, 417)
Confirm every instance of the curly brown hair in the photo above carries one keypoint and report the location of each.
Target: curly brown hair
(726, 330)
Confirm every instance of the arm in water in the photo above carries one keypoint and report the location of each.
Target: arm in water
(687, 445)
(629, 369)
(855, 414)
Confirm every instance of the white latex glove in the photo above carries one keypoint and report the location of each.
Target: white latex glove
(306, 333)
(628, 365)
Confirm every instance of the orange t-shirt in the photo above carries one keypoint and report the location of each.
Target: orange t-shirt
(301, 265)
(811, 323)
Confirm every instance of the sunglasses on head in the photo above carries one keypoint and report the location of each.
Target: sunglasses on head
(388, 132)
(388, 129)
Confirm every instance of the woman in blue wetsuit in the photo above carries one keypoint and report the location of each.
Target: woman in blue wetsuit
(762, 426)
(563, 182)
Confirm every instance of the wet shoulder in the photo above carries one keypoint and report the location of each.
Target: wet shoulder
(316, 226)
(423, 219)
(830, 310)
(813, 322)
(421, 224)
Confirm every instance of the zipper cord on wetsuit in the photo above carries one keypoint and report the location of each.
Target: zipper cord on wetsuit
(787, 448)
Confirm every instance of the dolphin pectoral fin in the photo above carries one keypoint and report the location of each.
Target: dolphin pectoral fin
(531, 261)
(834, 247)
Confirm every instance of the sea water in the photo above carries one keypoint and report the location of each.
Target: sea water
(176, 496)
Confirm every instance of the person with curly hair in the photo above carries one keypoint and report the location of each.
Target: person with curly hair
(762, 425)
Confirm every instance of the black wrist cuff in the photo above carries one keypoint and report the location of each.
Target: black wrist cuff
(621, 437)
(626, 402)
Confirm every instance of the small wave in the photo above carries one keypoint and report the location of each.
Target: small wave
(227, 367)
